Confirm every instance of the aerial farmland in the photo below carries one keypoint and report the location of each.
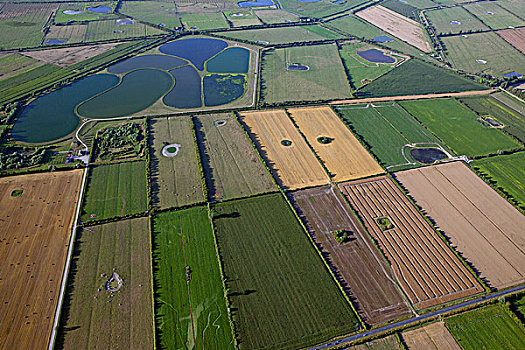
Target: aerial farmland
(266, 174)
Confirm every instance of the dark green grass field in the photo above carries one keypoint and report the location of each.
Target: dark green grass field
(184, 249)
(386, 129)
(417, 78)
(508, 173)
(281, 295)
(486, 328)
(115, 190)
(459, 128)
(514, 122)
(517, 305)
(95, 317)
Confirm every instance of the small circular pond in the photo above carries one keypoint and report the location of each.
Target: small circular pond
(427, 155)
(376, 56)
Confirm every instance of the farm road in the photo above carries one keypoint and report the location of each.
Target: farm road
(419, 318)
(412, 97)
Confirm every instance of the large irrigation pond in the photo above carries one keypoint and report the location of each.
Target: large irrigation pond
(188, 73)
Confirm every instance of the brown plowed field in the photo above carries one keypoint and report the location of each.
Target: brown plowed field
(344, 157)
(483, 226)
(369, 280)
(69, 55)
(434, 336)
(515, 37)
(293, 166)
(396, 24)
(424, 265)
(34, 237)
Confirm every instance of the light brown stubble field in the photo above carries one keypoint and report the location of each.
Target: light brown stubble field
(34, 236)
(483, 226)
(293, 166)
(426, 268)
(69, 55)
(515, 37)
(435, 336)
(368, 278)
(344, 157)
(398, 25)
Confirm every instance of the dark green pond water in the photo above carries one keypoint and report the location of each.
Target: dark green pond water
(232, 60)
(147, 61)
(187, 90)
(52, 116)
(220, 89)
(137, 91)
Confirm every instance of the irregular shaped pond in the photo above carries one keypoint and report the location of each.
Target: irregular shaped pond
(427, 155)
(187, 90)
(100, 9)
(72, 12)
(55, 41)
(147, 61)
(220, 89)
(297, 66)
(197, 50)
(137, 91)
(52, 116)
(257, 3)
(232, 60)
(382, 39)
(376, 56)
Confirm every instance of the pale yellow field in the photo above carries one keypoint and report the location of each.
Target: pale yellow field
(398, 25)
(434, 336)
(293, 166)
(345, 157)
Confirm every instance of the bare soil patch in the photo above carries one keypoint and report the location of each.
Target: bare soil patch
(515, 37)
(69, 55)
(434, 336)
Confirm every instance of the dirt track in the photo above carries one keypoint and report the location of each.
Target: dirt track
(412, 97)
(294, 166)
(434, 336)
(426, 268)
(344, 157)
(34, 235)
(358, 262)
(483, 226)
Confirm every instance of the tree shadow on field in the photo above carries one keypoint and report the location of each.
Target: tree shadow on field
(205, 159)
(232, 215)
(154, 170)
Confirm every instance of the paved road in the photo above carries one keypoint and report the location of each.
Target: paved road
(419, 318)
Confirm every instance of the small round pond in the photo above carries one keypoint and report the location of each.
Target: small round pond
(382, 39)
(52, 116)
(427, 155)
(147, 61)
(197, 50)
(375, 56)
(137, 91)
(232, 60)
(220, 89)
(187, 90)
(257, 3)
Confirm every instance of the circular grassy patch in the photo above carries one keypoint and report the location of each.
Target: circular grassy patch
(17, 193)
(286, 143)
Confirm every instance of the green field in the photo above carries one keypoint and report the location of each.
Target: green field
(115, 190)
(325, 79)
(360, 70)
(494, 15)
(318, 9)
(99, 317)
(486, 328)
(21, 25)
(414, 78)
(441, 20)
(175, 180)
(386, 129)
(500, 56)
(157, 13)
(458, 127)
(190, 309)
(281, 295)
(514, 122)
(506, 172)
(405, 9)
(12, 64)
(231, 166)
(284, 35)
(514, 6)
(61, 17)
(203, 21)
(518, 306)
(242, 18)
(276, 16)
(106, 30)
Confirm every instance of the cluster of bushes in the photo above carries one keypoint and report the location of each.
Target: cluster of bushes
(121, 141)
(15, 158)
(7, 112)
(342, 236)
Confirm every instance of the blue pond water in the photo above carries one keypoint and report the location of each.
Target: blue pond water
(123, 21)
(338, 2)
(52, 116)
(187, 90)
(232, 60)
(257, 3)
(296, 66)
(376, 56)
(147, 61)
(382, 39)
(455, 22)
(55, 41)
(512, 74)
(402, 1)
(100, 9)
(195, 50)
